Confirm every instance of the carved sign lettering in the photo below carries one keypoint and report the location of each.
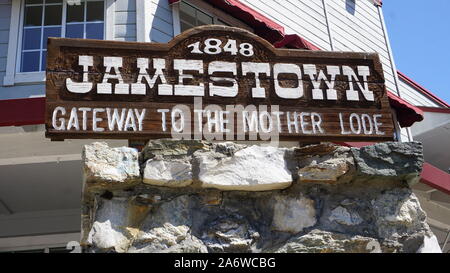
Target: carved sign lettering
(213, 82)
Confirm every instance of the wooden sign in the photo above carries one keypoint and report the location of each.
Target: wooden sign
(213, 82)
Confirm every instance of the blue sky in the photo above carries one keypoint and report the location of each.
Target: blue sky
(419, 32)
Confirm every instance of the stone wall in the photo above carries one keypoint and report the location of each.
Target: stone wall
(194, 196)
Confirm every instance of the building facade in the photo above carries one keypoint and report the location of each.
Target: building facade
(40, 180)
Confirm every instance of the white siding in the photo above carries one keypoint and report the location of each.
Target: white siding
(359, 28)
(413, 96)
(303, 17)
(162, 26)
(353, 28)
(125, 20)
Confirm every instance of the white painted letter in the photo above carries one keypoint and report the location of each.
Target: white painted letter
(378, 125)
(140, 117)
(316, 120)
(223, 91)
(250, 123)
(317, 93)
(163, 118)
(130, 121)
(139, 88)
(84, 110)
(188, 90)
(288, 92)
(62, 120)
(95, 119)
(257, 69)
(114, 119)
(364, 72)
(84, 86)
(180, 128)
(365, 118)
(341, 121)
(292, 122)
(73, 120)
(110, 64)
(304, 123)
(354, 116)
(266, 127)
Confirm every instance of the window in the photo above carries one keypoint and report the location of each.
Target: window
(56, 18)
(85, 20)
(32, 21)
(191, 17)
(194, 13)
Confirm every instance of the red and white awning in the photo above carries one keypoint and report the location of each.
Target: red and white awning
(263, 27)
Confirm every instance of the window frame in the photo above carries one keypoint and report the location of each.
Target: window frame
(204, 7)
(20, 50)
(13, 75)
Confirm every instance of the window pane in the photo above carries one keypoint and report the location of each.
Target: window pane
(203, 19)
(44, 60)
(33, 16)
(30, 61)
(94, 11)
(75, 13)
(53, 1)
(187, 8)
(74, 31)
(187, 13)
(185, 26)
(32, 38)
(94, 31)
(33, 2)
(187, 18)
(50, 32)
(53, 15)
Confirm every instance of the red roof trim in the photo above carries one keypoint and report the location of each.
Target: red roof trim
(435, 178)
(263, 26)
(423, 89)
(295, 41)
(407, 113)
(435, 109)
(18, 112)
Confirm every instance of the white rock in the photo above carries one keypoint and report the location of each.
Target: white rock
(167, 235)
(293, 214)
(406, 213)
(430, 245)
(168, 239)
(342, 216)
(103, 235)
(397, 212)
(105, 164)
(167, 229)
(168, 173)
(109, 228)
(254, 168)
